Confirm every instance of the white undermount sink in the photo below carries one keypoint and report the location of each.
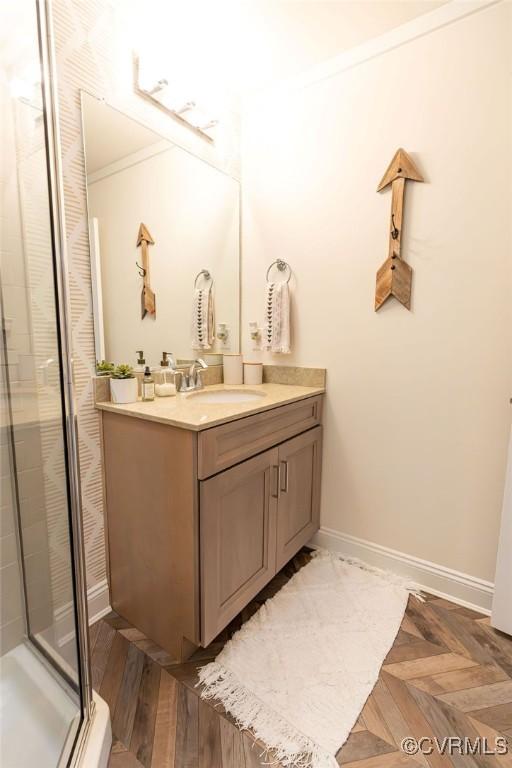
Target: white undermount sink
(226, 396)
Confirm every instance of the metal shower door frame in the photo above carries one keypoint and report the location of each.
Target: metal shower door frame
(57, 216)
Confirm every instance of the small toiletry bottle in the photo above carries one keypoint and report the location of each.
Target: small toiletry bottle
(141, 363)
(148, 386)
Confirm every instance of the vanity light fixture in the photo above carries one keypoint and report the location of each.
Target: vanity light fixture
(160, 91)
(210, 124)
(186, 107)
(161, 84)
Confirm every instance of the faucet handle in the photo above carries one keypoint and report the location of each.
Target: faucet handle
(199, 383)
(181, 383)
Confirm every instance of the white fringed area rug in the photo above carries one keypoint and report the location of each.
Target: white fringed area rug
(298, 673)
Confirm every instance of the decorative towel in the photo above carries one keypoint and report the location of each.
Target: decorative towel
(277, 308)
(202, 319)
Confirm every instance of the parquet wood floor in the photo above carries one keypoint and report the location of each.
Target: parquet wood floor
(448, 674)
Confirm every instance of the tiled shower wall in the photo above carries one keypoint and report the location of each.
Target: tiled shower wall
(11, 263)
(27, 298)
(94, 53)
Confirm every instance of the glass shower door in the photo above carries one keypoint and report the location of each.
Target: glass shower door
(43, 701)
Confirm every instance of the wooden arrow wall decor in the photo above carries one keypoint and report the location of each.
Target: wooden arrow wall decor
(147, 297)
(394, 278)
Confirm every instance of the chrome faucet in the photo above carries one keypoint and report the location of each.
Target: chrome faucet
(193, 379)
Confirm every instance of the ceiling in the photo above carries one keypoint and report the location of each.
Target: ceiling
(242, 45)
(296, 35)
(109, 135)
(236, 47)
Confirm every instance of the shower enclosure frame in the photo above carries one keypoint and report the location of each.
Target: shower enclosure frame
(57, 223)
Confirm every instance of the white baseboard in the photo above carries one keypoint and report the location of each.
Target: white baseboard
(98, 601)
(458, 587)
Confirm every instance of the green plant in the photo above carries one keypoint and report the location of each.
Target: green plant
(104, 368)
(123, 371)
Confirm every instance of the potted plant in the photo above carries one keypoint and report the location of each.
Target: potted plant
(123, 384)
(104, 368)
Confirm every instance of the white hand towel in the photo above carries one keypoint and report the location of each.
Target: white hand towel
(277, 309)
(202, 319)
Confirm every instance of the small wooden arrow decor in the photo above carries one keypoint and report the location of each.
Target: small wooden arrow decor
(147, 298)
(394, 278)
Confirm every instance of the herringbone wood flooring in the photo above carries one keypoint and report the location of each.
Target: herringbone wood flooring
(448, 674)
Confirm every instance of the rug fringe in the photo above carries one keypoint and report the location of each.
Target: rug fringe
(289, 747)
(410, 586)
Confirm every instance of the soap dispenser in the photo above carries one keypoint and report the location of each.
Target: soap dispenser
(167, 361)
(148, 386)
(141, 363)
(167, 364)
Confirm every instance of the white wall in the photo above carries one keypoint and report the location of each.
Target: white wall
(192, 212)
(418, 415)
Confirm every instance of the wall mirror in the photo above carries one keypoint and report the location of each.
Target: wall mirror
(191, 212)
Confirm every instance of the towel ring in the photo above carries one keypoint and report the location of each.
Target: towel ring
(282, 267)
(204, 273)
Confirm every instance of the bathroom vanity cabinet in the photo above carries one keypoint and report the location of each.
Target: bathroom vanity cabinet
(200, 520)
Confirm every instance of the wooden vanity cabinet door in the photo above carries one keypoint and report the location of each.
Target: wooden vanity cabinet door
(298, 515)
(238, 509)
(221, 447)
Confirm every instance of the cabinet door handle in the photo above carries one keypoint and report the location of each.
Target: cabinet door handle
(283, 476)
(274, 482)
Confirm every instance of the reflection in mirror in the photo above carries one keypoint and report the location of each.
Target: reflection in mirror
(164, 233)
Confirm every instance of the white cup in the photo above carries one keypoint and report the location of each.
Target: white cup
(233, 369)
(253, 373)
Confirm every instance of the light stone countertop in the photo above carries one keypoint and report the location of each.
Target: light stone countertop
(181, 410)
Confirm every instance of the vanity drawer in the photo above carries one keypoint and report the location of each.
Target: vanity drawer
(221, 447)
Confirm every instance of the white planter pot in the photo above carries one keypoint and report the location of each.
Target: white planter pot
(123, 390)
